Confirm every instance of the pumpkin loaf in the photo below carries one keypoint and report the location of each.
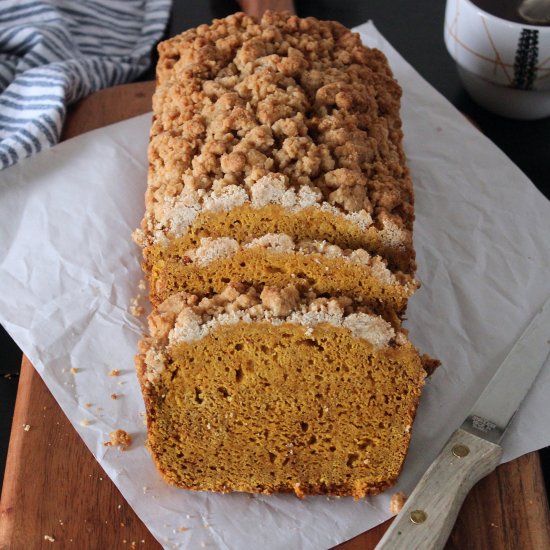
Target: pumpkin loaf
(277, 391)
(277, 241)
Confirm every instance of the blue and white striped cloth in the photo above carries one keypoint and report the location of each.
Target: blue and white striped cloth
(55, 52)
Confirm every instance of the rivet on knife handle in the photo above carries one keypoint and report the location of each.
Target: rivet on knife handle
(429, 514)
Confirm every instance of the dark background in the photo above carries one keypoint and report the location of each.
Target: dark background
(415, 29)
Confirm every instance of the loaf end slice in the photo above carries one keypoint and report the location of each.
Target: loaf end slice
(277, 392)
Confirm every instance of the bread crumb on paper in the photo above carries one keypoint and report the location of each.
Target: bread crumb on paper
(137, 311)
(73, 370)
(114, 372)
(85, 422)
(298, 491)
(114, 396)
(119, 438)
(397, 502)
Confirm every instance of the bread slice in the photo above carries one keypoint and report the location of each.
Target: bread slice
(276, 260)
(277, 391)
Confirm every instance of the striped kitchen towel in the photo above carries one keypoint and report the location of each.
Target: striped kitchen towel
(55, 52)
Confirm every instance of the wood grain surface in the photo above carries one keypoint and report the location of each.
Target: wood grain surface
(256, 8)
(53, 486)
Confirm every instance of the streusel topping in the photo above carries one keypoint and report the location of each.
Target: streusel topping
(184, 317)
(299, 100)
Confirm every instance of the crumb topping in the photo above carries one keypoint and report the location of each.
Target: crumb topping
(211, 250)
(298, 102)
(185, 318)
(155, 361)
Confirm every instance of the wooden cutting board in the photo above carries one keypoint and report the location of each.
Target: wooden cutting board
(54, 488)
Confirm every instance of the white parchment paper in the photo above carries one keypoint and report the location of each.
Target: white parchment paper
(68, 271)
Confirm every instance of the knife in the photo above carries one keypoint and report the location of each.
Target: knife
(473, 451)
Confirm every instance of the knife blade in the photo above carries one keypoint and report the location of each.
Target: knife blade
(472, 451)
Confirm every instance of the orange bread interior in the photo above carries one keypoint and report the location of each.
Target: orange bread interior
(263, 407)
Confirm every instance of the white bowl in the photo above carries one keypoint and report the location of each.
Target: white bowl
(504, 66)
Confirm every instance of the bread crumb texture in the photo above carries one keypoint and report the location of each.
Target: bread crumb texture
(264, 407)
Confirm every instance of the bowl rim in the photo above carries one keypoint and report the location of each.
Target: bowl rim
(500, 20)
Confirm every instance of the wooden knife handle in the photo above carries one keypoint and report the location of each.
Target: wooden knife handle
(256, 8)
(429, 514)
